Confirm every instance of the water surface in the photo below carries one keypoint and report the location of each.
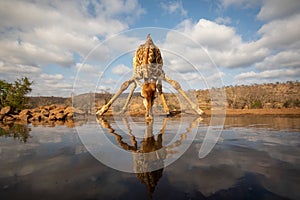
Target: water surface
(256, 157)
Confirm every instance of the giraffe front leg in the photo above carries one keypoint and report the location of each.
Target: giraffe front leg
(123, 87)
(177, 87)
(159, 88)
(124, 109)
(148, 113)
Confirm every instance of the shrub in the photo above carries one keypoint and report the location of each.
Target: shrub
(13, 94)
(256, 104)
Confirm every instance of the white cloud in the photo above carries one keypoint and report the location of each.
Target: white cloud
(52, 78)
(121, 69)
(275, 54)
(54, 37)
(223, 44)
(61, 33)
(88, 68)
(51, 85)
(210, 34)
(283, 59)
(240, 3)
(269, 75)
(21, 69)
(223, 20)
(275, 9)
(28, 53)
(172, 7)
(281, 34)
(35, 35)
(277, 47)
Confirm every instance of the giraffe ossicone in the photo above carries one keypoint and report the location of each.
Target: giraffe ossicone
(148, 67)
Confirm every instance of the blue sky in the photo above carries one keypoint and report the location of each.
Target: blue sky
(50, 42)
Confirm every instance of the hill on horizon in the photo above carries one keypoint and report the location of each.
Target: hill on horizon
(268, 95)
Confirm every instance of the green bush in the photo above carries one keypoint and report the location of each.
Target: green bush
(13, 94)
(256, 104)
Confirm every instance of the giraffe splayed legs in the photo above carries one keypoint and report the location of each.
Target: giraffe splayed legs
(147, 66)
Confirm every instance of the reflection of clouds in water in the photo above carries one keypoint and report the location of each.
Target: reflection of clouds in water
(64, 170)
(276, 144)
(24, 158)
(49, 138)
(242, 152)
(14, 150)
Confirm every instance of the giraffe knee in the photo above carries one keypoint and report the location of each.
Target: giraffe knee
(125, 85)
(176, 85)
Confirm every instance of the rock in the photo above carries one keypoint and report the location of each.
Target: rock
(51, 107)
(60, 116)
(69, 123)
(24, 118)
(52, 117)
(4, 127)
(25, 112)
(8, 118)
(37, 117)
(5, 110)
(60, 122)
(42, 113)
(58, 109)
(69, 115)
(73, 110)
(45, 112)
(68, 110)
(35, 110)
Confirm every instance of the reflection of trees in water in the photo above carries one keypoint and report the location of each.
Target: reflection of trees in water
(151, 153)
(17, 131)
(272, 121)
(21, 131)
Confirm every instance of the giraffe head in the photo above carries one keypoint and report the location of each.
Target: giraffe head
(149, 94)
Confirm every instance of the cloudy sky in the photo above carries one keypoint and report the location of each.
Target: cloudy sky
(65, 44)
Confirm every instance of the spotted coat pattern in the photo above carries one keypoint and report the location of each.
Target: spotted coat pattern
(147, 63)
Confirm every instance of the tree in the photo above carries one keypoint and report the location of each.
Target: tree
(4, 89)
(13, 94)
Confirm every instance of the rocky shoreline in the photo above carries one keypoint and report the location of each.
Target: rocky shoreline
(42, 113)
(62, 113)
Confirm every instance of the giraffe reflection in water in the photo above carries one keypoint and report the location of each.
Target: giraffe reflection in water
(149, 156)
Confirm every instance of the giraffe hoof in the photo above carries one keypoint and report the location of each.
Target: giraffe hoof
(148, 118)
(200, 112)
(102, 111)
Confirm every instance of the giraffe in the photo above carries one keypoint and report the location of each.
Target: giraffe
(147, 66)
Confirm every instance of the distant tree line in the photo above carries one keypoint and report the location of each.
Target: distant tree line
(268, 95)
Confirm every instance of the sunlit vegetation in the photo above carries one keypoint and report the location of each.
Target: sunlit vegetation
(14, 94)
